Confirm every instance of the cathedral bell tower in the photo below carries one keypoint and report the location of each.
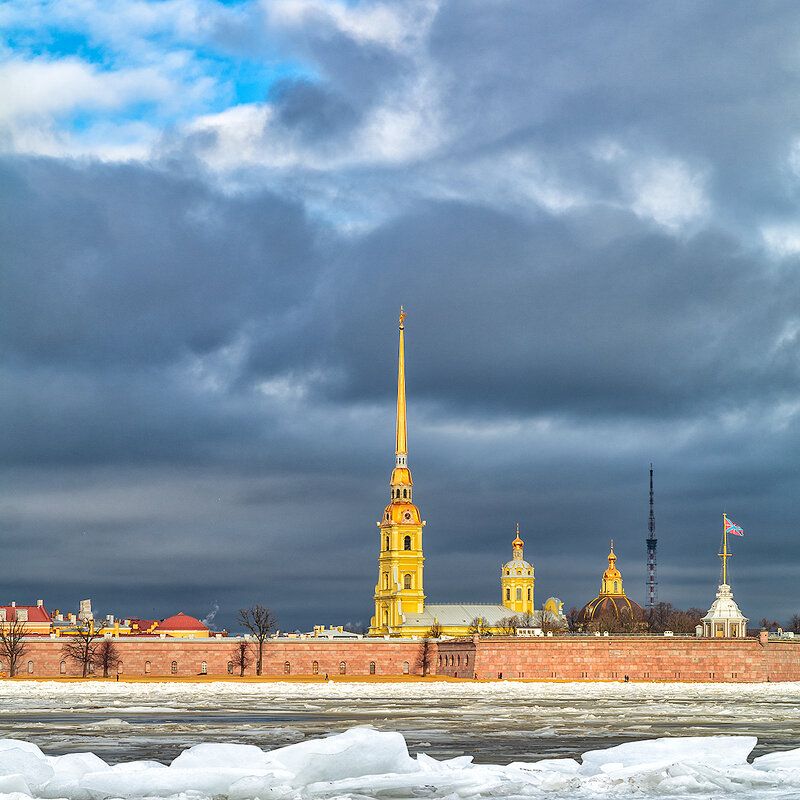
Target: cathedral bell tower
(516, 580)
(399, 588)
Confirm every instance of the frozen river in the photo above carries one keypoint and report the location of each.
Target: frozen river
(495, 724)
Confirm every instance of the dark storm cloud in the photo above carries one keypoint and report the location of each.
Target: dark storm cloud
(312, 110)
(124, 265)
(200, 383)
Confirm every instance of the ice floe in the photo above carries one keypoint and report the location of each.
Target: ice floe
(366, 763)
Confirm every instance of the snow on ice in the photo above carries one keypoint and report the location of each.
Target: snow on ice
(363, 762)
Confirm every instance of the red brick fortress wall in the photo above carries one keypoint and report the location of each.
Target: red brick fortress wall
(642, 658)
(354, 657)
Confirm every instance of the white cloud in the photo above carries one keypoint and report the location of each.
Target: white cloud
(669, 192)
(782, 240)
(394, 26)
(42, 87)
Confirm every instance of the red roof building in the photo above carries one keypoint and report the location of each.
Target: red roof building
(36, 619)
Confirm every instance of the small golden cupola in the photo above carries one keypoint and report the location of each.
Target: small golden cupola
(516, 580)
(399, 590)
(612, 579)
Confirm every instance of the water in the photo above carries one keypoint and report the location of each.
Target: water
(495, 723)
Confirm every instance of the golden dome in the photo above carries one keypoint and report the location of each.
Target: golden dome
(517, 544)
(402, 476)
(401, 514)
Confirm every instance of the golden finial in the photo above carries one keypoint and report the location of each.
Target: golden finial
(402, 316)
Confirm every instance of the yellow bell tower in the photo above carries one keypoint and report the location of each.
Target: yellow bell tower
(399, 588)
(516, 580)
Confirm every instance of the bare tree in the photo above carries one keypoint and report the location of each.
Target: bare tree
(477, 625)
(106, 656)
(81, 647)
(574, 621)
(550, 623)
(242, 656)
(435, 631)
(260, 621)
(684, 621)
(425, 656)
(794, 623)
(12, 645)
(508, 625)
(658, 617)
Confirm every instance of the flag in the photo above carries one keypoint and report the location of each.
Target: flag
(736, 530)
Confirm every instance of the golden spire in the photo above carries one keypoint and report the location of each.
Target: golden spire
(402, 447)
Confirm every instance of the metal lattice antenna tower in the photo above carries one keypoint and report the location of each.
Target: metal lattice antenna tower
(651, 551)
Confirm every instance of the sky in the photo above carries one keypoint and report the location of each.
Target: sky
(211, 212)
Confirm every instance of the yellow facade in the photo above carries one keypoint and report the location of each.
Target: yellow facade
(516, 581)
(399, 590)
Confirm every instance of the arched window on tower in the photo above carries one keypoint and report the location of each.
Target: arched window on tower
(615, 587)
(385, 580)
(407, 543)
(508, 593)
(405, 492)
(386, 543)
(406, 581)
(529, 594)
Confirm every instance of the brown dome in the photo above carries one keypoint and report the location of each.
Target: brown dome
(619, 605)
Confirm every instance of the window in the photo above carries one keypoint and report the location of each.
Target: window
(529, 595)
(405, 668)
(519, 593)
(405, 493)
(63, 668)
(615, 587)
(466, 660)
(406, 581)
(371, 667)
(230, 668)
(343, 668)
(91, 668)
(385, 580)
(315, 667)
(146, 667)
(407, 543)
(458, 660)
(385, 617)
(287, 668)
(173, 667)
(30, 666)
(204, 668)
(119, 668)
(386, 543)
(508, 593)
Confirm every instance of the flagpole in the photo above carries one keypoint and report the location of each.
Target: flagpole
(724, 552)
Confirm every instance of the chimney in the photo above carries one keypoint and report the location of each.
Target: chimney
(39, 603)
(13, 604)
